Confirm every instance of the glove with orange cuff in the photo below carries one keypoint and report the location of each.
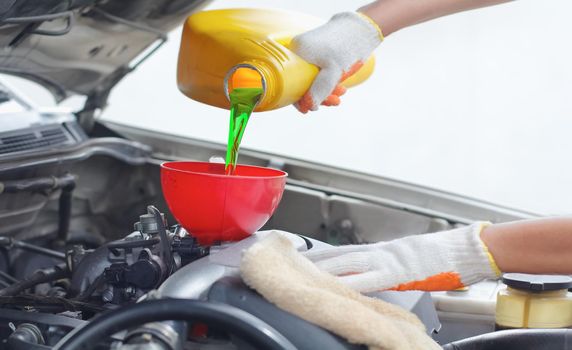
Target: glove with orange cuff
(445, 260)
(339, 48)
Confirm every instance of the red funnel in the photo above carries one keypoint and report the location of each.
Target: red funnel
(213, 206)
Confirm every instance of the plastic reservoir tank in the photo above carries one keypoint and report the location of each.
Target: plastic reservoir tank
(534, 301)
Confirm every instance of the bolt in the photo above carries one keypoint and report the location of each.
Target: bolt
(107, 295)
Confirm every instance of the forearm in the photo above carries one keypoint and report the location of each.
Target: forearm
(542, 246)
(392, 15)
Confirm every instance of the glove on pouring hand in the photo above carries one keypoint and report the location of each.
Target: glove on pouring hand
(339, 48)
(431, 262)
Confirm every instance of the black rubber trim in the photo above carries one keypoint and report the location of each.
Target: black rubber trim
(518, 339)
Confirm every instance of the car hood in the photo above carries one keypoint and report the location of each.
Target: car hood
(84, 46)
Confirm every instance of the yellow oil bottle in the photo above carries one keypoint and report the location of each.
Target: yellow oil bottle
(534, 301)
(237, 48)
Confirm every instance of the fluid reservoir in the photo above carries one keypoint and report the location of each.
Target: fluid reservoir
(534, 301)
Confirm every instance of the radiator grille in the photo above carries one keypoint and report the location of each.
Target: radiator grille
(30, 140)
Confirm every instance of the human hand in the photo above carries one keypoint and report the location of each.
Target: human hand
(339, 48)
(445, 260)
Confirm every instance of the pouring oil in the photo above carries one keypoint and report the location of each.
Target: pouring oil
(242, 103)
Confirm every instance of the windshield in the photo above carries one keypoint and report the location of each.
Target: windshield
(477, 103)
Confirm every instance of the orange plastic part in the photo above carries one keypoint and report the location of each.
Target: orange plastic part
(244, 77)
(440, 282)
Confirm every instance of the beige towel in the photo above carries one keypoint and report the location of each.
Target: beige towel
(292, 282)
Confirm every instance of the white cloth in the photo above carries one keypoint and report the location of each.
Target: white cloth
(284, 277)
(385, 265)
(346, 39)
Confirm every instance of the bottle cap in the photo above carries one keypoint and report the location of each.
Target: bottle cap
(536, 283)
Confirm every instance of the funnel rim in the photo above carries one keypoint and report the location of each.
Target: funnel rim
(281, 173)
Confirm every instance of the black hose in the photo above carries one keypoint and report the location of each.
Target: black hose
(10, 242)
(70, 21)
(65, 182)
(39, 18)
(37, 184)
(41, 276)
(64, 212)
(222, 316)
(41, 303)
(518, 339)
(37, 249)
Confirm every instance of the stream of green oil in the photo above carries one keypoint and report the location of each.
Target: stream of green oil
(242, 103)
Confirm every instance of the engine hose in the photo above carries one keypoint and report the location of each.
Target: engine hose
(45, 303)
(41, 276)
(65, 182)
(64, 211)
(38, 184)
(9, 242)
(517, 339)
(222, 316)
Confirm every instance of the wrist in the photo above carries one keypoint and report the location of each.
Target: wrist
(471, 255)
(386, 14)
(357, 24)
(373, 24)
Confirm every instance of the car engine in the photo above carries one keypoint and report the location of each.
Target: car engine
(57, 284)
(88, 248)
(79, 241)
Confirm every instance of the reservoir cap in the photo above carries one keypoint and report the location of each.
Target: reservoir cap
(537, 283)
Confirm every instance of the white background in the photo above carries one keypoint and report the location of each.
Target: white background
(477, 103)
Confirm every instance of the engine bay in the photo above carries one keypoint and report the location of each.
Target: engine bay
(67, 276)
(92, 258)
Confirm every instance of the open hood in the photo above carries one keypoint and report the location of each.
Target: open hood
(84, 46)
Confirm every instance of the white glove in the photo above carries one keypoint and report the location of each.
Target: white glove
(445, 260)
(339, 48)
